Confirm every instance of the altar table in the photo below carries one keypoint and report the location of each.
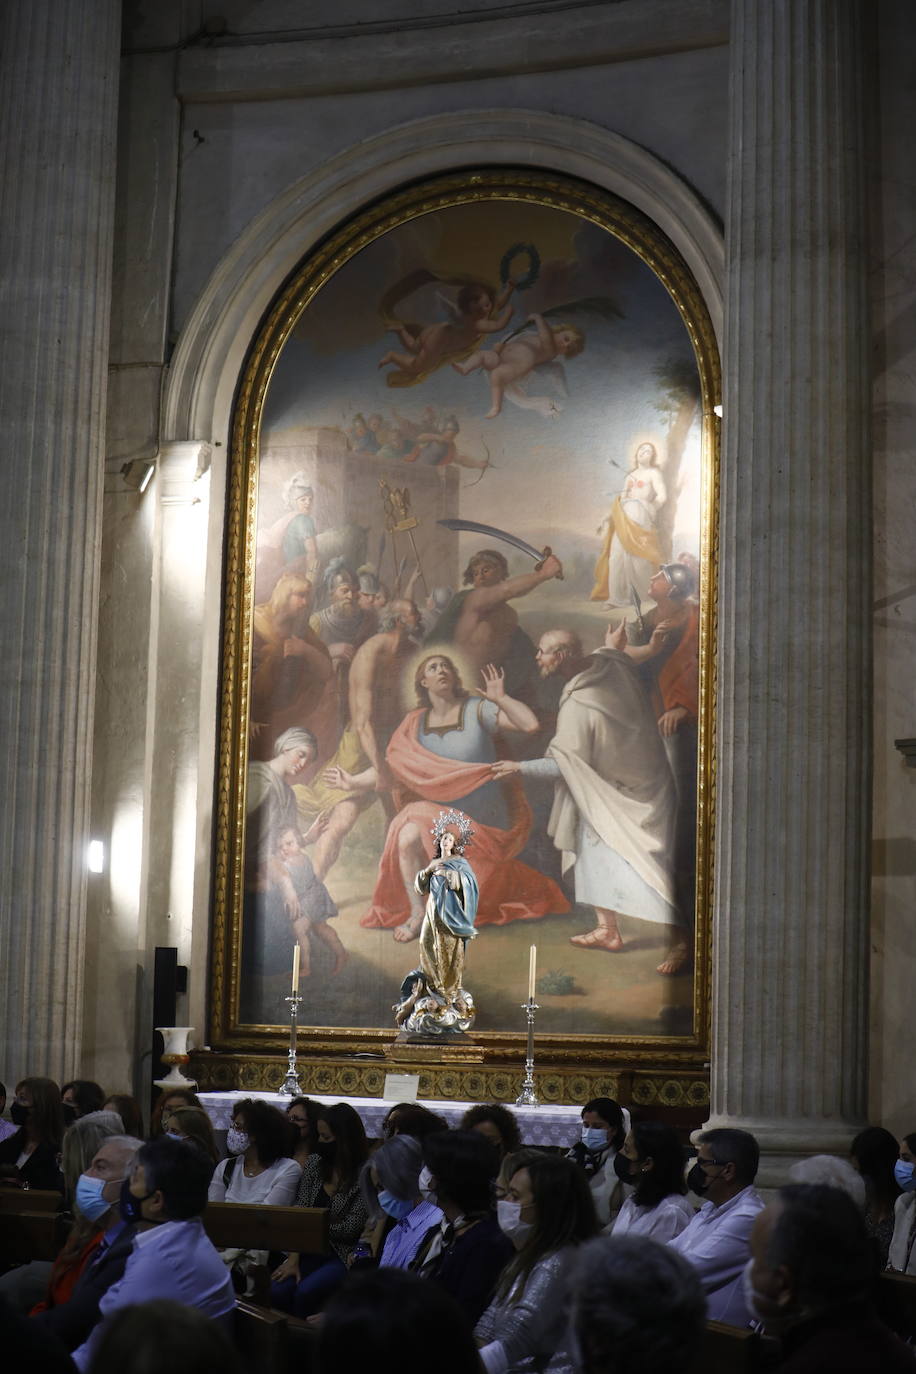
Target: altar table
(550, 1124)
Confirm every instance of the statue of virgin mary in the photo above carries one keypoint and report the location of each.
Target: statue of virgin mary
(433, 998)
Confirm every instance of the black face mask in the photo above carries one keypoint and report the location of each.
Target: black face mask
(130, 1205)
(622, 1168)
(19, 1114)
(326, 1150)
(697, 1180)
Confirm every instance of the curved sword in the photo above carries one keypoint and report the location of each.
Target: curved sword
(491, 532)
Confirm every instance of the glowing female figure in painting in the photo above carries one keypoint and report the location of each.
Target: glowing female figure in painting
(632, 550)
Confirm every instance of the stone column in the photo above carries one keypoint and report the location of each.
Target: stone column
(791, 905)
(59, 67)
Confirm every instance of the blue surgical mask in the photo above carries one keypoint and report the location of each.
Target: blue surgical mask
(905, 1174)
(396, 1207)
(594, 1138)
(89, 1198)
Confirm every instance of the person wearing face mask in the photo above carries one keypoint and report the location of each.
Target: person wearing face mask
(653, 1162)
(303, 1282)
(901, 1257)
(399, 1214)
(166, 1103)
(303, 1116)
(40, 1283)
(188, 1123)
(547, 1212)
(96, 1200)
(164, 1197)
(81, 1097)
(808, 1281)
(30, 1157)
(467, 1251)
(259, 1169)
(604, 1127)
(717, 1240)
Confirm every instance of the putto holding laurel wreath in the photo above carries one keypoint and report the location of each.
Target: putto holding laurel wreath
(433, 1000)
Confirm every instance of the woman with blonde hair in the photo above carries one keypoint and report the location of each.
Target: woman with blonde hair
(192, 1123)
(633, 547)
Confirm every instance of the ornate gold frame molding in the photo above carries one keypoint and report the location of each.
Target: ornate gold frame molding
(567, 1057)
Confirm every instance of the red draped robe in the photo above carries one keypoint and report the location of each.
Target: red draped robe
(509, 890)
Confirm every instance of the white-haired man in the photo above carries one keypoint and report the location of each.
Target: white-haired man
(98, 1194)
(614, 799)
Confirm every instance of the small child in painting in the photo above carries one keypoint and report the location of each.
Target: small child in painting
(307, 899)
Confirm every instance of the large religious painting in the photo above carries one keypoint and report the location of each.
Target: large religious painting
(470, 571)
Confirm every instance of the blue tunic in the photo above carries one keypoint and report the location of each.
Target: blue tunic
(471, 741)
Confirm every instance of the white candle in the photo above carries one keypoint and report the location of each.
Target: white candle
(295, 969)
(532, 971)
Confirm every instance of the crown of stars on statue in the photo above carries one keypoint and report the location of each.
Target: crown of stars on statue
(453, 821)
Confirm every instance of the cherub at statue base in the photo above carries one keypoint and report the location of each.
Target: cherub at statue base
(424, 1013)
(432, 1028)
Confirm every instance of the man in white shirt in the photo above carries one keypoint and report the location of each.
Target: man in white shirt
(717, 1240)
(172, 1257)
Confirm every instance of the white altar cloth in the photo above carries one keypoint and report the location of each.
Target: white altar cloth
(549, 1124)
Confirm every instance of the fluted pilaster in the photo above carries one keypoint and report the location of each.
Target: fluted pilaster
(791, 908)
(58, 105)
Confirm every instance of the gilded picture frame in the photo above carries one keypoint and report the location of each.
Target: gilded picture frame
(570, 422)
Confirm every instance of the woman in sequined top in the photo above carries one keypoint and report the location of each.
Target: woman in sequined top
(547, 1213)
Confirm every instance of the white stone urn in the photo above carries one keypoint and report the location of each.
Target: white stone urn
(175, 1054)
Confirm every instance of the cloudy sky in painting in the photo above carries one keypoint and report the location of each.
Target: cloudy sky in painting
(557, 476)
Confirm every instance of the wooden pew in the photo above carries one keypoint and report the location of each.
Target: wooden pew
(27, 1235)
(30, 1200)
(270, 1342)
(732, 1350)
(896, 1302)
(262, 1338)
(246, 1226)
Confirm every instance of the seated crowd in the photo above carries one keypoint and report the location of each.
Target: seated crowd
(465, 1244)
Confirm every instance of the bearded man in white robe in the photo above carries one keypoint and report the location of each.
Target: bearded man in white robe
(614, 801)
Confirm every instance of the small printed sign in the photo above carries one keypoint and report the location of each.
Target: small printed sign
(401, 1087)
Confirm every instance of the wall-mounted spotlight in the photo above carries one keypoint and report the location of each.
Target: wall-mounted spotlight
(138, 473)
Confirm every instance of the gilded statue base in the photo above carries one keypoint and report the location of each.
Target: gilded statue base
(408, 1049)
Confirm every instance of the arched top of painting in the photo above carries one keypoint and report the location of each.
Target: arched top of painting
(529, 243)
